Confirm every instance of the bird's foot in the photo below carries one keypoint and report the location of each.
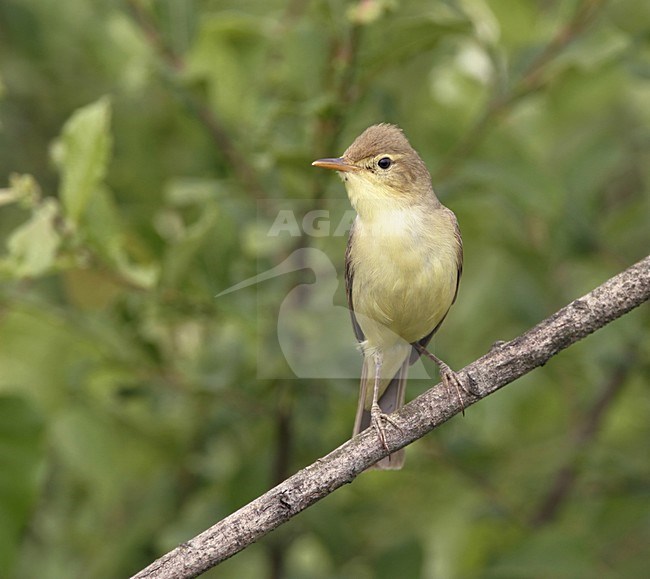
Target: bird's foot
(377, 419)
(450, 379)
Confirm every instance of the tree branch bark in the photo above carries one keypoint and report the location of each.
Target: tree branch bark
(501, 366)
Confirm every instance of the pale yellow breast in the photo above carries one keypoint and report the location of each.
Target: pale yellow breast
(405, 265)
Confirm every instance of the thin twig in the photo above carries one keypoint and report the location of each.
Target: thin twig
(583, 438)
(242, 169)
(530, 81)
(153, 36)
(340, 80)
(501, 366)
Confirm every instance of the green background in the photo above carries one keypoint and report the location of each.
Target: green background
(138, 141)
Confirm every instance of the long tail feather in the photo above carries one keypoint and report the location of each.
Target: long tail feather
(392, 399)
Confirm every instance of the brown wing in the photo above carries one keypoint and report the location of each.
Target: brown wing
(459, 256)
(459, 253)
(349, 276)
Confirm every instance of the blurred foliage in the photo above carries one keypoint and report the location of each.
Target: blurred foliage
(140, 144)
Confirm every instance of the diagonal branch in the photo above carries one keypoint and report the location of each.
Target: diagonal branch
(501, 366)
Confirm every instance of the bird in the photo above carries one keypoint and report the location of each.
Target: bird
(403, 264)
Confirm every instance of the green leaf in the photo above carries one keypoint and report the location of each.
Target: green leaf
(106, 236)
(22, 189)
(33, 246)
(182, 252)
(227, 57)
(82, 153)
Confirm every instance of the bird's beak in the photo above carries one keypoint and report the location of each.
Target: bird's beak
(339, 164)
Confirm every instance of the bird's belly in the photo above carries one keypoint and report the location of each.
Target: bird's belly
(402, 290)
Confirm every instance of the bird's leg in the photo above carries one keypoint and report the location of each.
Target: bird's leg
(448, 376)
(376, 414)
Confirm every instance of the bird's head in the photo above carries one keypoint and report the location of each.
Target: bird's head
(381, 165)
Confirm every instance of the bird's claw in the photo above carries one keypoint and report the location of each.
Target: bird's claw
(450, 379)
(377, 418)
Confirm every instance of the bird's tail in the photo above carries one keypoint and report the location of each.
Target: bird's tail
(391, 399)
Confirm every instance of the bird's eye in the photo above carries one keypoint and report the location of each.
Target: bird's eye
(384, 162)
